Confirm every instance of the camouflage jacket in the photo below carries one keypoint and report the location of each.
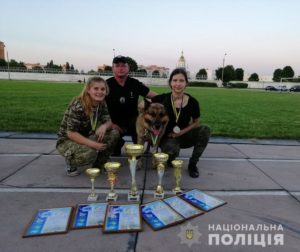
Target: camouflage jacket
(75, 119)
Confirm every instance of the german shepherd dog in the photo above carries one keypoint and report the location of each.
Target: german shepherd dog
(151, 125)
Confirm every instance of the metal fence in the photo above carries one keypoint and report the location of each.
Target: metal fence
(56, 71)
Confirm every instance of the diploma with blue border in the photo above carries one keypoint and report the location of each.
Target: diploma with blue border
(122, 218)
(183, 207)
(89, 215)
(202, 200)
(159, 214)
(49, 221)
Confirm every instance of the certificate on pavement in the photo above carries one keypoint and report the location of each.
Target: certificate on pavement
(159, 214)
(183, 207)
(122, 218)
(49, 221)
(202, 200)
(89, 215)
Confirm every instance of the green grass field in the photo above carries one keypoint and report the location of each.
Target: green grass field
(38, 106)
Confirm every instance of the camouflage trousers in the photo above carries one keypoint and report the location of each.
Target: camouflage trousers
(197, 138)
(78, 155)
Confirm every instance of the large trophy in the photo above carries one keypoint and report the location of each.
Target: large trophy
(133, 150)
(177, 165)
(112, 169)
(92, 173)
(161, 158)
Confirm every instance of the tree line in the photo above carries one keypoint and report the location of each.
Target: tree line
(50, 66)
(229, 73)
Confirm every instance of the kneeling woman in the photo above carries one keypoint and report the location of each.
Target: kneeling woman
(183, 130)
(85, 135)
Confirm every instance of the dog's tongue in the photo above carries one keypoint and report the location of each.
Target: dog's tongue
(156, 132)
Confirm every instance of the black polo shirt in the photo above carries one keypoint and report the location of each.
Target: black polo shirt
(122, 101)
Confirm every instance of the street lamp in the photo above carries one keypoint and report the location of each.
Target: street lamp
(8, 65)
(223, 67)
(114, 52)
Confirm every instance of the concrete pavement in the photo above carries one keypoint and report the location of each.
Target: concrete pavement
(259, 179)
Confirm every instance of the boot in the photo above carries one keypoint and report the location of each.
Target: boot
(193, 170)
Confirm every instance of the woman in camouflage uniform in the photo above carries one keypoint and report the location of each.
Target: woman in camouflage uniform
(85, 135)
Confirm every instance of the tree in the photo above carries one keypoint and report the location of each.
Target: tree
(13, 63)
(287, 72)
(132, 64)
(91, 72)
(253, 77)
(67, 66)
(107, 68)
(219, 73)
(228, 75)
(3, 63)
(50, 64)
(239, 74)
(277, 74)
(202, 74)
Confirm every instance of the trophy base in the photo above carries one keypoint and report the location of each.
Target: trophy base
(133, 197)
(159, 195)
(111, 198)
(92, 198)
(177, 191)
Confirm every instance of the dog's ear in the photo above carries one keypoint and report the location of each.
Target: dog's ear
(147, 103)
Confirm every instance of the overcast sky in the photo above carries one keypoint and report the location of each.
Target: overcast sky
(258, 35)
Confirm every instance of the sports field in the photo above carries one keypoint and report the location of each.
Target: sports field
(38, 106)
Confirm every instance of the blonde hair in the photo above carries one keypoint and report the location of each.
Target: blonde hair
(85, 98)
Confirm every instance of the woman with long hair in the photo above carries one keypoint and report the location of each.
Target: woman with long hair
(85, 135)
(183, 129)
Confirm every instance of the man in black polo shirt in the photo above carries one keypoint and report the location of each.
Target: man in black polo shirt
(122, 101)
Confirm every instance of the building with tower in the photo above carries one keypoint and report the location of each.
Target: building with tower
(181, 62)
(2, 53)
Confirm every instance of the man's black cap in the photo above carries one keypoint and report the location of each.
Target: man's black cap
(119, 59)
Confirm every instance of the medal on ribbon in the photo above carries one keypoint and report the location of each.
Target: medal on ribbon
(176, 129)
(94, 120)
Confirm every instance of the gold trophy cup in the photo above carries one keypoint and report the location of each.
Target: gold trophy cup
(92, 173)
(161, 158)
(177, 165)
(112, 169)
(133, 150)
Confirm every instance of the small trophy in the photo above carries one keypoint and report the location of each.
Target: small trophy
(133, 150)
(112, 169)
(92, 173)
(177, 165)
(161, 158)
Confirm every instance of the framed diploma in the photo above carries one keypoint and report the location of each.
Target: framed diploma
(159, 214)
(202, 200)
(49, 221)
(89, 215)
(122, 218)
(182, 207)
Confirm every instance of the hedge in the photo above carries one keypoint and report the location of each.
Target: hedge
(202, 84)
(235, 85)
